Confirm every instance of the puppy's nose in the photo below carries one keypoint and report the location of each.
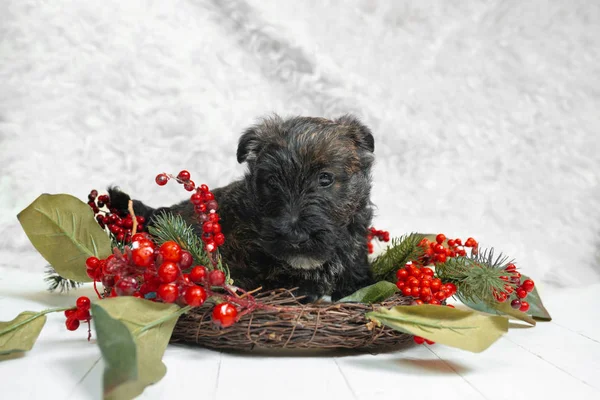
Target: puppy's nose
(296, 238)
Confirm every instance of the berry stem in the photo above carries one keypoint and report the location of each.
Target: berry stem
(35, 316)
(159, 321)
(133, 218)
(96, 290)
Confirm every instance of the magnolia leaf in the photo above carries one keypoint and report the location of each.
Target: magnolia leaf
(21, 333)
(63, 229)
(536, 307)
(133, 335)
(497, 309)
(371, 294)
(467, 330)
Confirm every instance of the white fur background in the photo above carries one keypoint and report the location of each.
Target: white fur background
(486, 114)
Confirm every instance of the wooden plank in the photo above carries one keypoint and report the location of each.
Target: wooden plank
(280, 377)
(412, 373)
(508, 371)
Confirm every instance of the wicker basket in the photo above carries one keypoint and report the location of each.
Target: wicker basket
(288, 324)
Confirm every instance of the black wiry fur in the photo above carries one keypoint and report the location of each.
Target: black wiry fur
(278, 213)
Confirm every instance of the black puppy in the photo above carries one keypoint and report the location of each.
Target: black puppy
(300, 216)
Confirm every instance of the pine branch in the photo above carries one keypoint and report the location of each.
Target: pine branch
(477, 277)
(171, 227)
(402, 250)
(55, 281)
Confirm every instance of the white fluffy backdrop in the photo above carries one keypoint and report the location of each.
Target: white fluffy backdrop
(486, 114)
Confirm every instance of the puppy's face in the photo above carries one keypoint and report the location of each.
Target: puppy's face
(308, 178)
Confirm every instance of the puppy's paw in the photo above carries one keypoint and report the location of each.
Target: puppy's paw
(118, 199)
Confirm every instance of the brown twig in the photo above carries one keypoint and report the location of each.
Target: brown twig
(132, 213)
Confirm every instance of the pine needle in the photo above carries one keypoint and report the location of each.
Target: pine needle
(55, 281)
(402, 250)
(171, 227)
(477, 276)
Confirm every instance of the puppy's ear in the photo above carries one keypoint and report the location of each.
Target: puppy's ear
(360, 133)
(249, 145)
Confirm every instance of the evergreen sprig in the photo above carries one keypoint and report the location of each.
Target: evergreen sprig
(55, 281)
(478, 276)
(172, 227)
(402, 250)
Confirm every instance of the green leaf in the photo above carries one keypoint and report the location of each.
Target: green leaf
(133, 335)
(497, 309)
(371, 294)
(21, 333)
(63, 229)
(536, 307)
(467, 330)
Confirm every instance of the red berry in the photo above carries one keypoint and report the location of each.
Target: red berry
(428, 271)
(500, 297)
(209, 196)
(198, 274)
(82, 315)
(451, 243)
(219, 239)
(168, 292)
(207, 227)
(521, 293)
(186, 260)
(195, 296)
(407, 291)
(143, 256)
(511, 268)
(83, 303)
(435, 302)
(425, 293)
(418, 340)
(92, 262)
(196, 199)
(470, 242)
(528, 285)
(440, 238)
(168, 272)
(516, 304)
(450, 305)
(126, 286)
(439, 249)
(189, 186)
(402, 274)
(440, 258)
(418, 302)
(224, 314)
(435, 285)
(216, 278)
(441, 295)
(183, 176)
(214, 218)
(161, 179)
(429, 342)
(138, 295)
(400, 284)
(139, 236)
(524, 306)
(70, 312)
(72, 324)
(450, 288)
(170, 251)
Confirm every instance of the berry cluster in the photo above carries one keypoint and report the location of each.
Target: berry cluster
(158, 274)
(205, 207)
(119, 223)
(80, 313)
(437, 253)
(520, 293)
(420, 283)
(384, 236)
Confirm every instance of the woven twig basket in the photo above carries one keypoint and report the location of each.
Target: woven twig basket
(288, 324)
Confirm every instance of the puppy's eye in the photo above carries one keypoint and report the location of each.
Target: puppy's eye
(325, 179)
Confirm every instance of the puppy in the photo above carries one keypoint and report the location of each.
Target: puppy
(300, 215)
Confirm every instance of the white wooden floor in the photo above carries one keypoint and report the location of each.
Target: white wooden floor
(555, 359)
